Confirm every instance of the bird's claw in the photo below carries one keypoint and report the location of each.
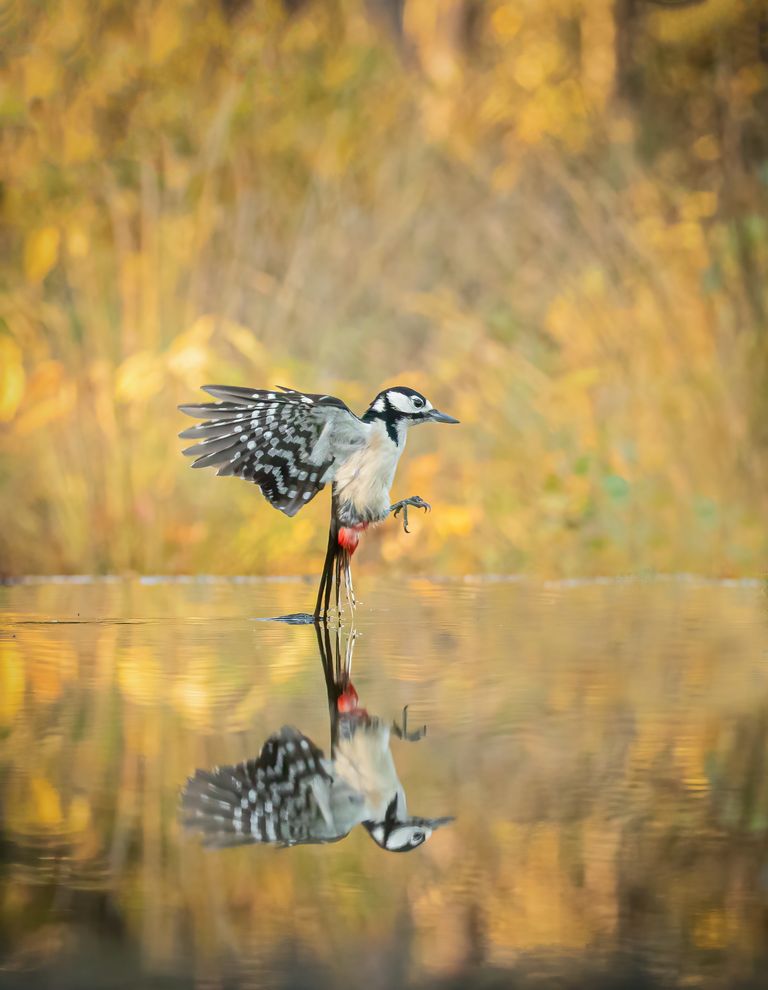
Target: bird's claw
(415, 501)
(403, 733)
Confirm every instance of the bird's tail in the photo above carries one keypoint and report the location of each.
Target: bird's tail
(342, 543)
(331, 566)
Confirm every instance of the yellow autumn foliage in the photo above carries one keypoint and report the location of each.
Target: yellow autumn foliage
(12, 378)
(41, 251)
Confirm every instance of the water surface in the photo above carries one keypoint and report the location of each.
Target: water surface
(603, 747)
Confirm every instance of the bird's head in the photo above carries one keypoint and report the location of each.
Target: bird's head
(396, 835)
(404, 407)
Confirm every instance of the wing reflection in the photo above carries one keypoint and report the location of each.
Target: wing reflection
(292, 794)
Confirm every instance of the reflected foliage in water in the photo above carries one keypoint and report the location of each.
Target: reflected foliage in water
(603, 748)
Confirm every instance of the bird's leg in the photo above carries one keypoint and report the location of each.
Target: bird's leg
(326, 578)
(402, 731)
(345, 568)
(402, 506)
(350, 649)
(339, 676)
(328, 588)
(338, 585)
(348, 582)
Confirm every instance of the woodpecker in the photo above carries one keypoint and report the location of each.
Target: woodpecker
(291, 794)
(292, 444)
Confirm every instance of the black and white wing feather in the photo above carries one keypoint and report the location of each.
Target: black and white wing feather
(276, 798)
(289, 443)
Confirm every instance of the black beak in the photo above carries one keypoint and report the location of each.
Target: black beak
(434, 823)
(437, 417)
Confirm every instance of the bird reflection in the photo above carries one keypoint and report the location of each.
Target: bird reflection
(292, 794)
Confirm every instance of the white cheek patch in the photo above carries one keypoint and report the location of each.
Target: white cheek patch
(404, 837)
(400, 402)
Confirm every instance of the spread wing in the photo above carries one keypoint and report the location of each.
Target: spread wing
(289, 443)
(270, 799)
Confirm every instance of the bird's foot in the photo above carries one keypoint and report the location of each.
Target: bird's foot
(402, 506)
(350, 593)
(401, 731)
(326, 616)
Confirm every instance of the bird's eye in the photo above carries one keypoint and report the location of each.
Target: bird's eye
(418, 836)
(417, 402)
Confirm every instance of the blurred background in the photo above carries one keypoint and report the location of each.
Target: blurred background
(549, 215)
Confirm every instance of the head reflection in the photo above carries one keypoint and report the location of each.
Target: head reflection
(292, 794)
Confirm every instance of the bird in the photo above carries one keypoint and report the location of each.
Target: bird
(292, 444)
(292, 794)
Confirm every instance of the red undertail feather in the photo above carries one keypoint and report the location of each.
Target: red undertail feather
(349, 537)
(347, 700)
(348, 703)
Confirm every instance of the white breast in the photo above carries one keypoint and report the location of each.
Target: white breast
(364, 480)
(364, 764)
